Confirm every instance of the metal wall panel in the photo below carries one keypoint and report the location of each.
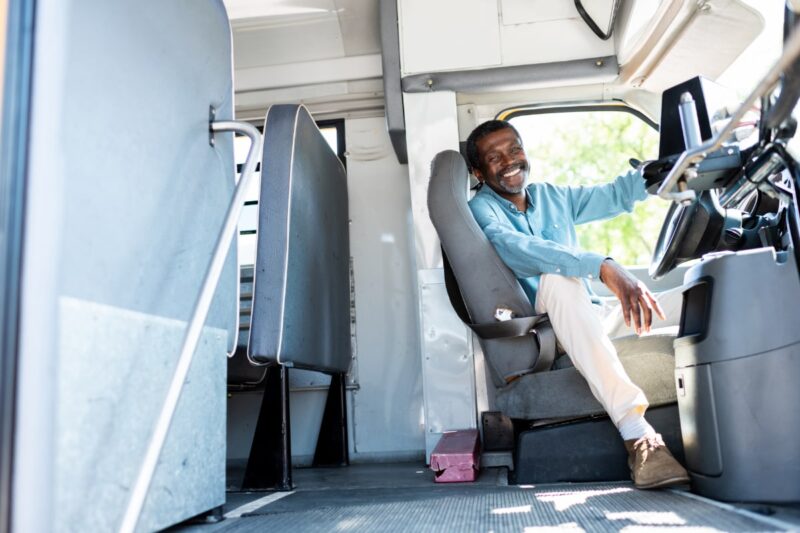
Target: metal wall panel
(448, 368)
(125, 203)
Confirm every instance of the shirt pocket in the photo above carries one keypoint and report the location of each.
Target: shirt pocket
(555, 231)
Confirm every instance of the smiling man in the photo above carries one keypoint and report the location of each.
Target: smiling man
(533, 230)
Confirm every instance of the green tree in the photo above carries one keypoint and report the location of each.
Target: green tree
(585, 148)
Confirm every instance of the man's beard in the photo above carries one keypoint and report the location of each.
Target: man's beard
(515, 189)
(512, 190)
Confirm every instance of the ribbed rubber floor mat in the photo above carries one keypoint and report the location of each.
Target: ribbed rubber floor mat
(585, 507)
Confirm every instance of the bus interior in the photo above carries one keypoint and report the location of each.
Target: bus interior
(242, 289)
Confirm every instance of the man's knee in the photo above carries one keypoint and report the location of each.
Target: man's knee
(555, 289)
(559, 285)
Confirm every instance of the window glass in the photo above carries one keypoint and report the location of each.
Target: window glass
(331, 135)
(593, 147)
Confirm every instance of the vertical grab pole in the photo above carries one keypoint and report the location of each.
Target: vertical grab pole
(689, 123)
(195, 327)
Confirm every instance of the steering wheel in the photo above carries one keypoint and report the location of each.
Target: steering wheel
(688, 232)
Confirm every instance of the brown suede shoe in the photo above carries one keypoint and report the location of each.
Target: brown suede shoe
(651, 464)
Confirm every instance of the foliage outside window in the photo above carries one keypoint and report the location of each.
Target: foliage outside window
(592, 147)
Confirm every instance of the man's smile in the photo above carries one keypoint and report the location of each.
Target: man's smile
(508, 174)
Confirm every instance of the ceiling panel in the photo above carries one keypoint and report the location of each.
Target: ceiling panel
(358, 20)
(295, 42)
(252, 9)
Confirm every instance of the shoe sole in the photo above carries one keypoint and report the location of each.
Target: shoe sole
(664, 483)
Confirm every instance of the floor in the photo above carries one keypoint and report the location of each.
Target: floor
(404, 497)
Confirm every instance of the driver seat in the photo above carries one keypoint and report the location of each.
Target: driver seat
(528, 381)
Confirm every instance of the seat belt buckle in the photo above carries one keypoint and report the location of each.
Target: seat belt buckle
(503, 314)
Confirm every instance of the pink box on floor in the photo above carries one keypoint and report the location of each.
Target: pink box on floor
(456, 457)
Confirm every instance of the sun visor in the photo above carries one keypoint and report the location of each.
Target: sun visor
(711, 39)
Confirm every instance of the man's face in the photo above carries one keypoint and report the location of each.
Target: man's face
(503, 165)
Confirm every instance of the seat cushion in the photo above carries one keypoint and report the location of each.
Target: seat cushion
(563, 393)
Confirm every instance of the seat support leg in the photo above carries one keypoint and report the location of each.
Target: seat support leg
(269, 466)
(332, 449)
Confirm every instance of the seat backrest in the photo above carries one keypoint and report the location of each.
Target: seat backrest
(301, 285)
(484, 281)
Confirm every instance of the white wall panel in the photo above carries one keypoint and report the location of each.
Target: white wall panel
(522, 11)
(386, 410)
(431, 126)
(448, 34)
(447, 363)
(550, 41)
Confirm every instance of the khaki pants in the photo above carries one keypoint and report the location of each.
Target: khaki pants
(585, 329)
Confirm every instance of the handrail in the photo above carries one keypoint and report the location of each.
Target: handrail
(694, 155)
(195, 328)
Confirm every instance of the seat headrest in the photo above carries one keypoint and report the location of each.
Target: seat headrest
(484, 280)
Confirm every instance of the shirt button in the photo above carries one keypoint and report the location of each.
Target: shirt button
(590, 276)
(558, 270)
(555, 225)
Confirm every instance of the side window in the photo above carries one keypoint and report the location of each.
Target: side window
(333, 131)
(593, 147)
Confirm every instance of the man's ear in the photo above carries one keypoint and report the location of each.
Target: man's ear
(478, 174)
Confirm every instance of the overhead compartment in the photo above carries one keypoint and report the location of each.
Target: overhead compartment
(495, 33)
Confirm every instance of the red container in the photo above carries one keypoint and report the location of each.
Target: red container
(456, 457)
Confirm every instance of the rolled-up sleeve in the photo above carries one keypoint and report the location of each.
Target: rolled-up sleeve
(529, 255)
(598, 202)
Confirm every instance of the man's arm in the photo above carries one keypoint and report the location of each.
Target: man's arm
(528, 255)
(597, 202)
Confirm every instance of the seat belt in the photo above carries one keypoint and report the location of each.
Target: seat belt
(539, 325)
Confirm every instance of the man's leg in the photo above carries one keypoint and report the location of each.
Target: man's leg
(580, 331)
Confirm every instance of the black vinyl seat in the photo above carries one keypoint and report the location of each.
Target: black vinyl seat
(295, 301)
(301, 284)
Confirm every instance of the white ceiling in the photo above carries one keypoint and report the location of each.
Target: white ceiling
(270, 32)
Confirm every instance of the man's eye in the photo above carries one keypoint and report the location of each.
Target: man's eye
(516, 149)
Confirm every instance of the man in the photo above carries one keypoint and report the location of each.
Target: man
(533, 231)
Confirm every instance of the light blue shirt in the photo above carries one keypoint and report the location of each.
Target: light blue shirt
(542, 240)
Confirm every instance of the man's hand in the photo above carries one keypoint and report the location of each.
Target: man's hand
(638, 303)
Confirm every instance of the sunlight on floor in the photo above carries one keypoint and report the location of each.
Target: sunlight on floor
(351, 523)
(563, 500)
(570, 526)
(649, 518)
(512, 510)
(668, 529)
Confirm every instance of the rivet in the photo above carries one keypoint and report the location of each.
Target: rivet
(598, 63)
